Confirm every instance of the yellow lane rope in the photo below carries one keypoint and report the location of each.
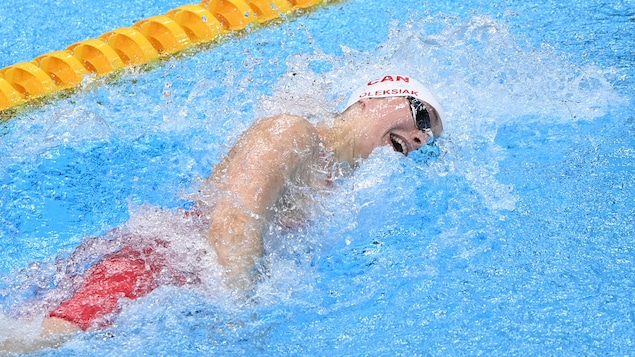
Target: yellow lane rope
(141, 43)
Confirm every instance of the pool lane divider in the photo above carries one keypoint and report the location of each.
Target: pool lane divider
(145, 41)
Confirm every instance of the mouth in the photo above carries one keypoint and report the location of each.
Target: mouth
(398, 144)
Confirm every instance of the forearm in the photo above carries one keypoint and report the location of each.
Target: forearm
(236, 235)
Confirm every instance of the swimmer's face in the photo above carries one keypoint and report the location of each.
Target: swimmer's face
(392, 124)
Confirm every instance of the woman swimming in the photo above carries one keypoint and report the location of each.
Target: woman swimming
(249, 185)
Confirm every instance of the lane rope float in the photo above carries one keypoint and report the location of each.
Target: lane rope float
(145, 41)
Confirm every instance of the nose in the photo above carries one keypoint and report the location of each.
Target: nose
(419, 138)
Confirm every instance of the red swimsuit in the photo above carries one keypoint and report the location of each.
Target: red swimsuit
(122, 274)
(128, 273)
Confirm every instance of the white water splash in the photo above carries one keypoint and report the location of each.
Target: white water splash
(484, 76)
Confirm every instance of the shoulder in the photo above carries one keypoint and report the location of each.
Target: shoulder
(286, 124)
(286, 135)
(285, 131)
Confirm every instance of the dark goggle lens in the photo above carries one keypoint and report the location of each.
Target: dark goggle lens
(420, 114)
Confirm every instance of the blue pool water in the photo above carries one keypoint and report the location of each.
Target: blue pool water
(515, 238)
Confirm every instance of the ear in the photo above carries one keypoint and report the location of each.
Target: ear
(359, 106)
(364, 101)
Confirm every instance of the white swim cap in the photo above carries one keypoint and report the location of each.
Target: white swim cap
(397, 86)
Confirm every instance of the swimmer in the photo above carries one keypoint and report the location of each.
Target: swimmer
(393, 110)
(248, 185)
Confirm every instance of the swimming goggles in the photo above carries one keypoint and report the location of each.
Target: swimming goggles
(421, 116)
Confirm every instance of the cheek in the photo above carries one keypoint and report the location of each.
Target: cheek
(400, 120)
(407, 122)
(367, 144)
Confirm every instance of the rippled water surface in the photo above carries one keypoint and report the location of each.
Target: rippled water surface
(514, 236)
